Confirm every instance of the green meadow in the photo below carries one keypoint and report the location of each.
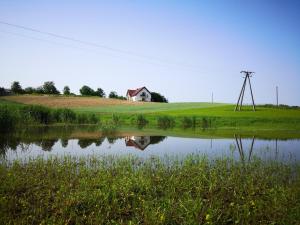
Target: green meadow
(216, 115)
(184, 115)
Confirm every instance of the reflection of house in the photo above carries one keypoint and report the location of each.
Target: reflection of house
(140, 94)
(140, 142)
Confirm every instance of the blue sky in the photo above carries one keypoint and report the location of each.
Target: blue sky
(183, 49)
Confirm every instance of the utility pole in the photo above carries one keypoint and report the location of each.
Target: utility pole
(239, 104)
(212, 98)
(277, 96)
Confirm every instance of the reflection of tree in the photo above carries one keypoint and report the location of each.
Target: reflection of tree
(100, 141)
(7, 142)
(112, 140)
(156, 139)
(84, 143)
(64, 142)
(47, 145)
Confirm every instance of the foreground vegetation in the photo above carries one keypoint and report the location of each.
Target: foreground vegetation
(129, 190)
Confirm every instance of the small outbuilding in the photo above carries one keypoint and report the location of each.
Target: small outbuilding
(139, 94)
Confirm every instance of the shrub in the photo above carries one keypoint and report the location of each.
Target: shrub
(141, 121)
(116, 119)
(7, 118)
(64, 115)
(165, 122)
(36, 113)
(92, 119)
(188, 122)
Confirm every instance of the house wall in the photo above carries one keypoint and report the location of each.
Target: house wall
(140, 97)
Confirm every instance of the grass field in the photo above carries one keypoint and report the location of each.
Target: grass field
(215, 115)
(68, 102)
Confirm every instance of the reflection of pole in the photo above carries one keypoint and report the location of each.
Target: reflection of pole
(276, 149)
(240, 147)
(211, 143)
(251, 148)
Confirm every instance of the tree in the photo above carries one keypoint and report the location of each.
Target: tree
(29, 90)
(156, 97)
(16, 88)
(49, 88)
(3, 92)
(113, 94)
(86, 90)
(100, 93)
(39, 90)
(66, 90)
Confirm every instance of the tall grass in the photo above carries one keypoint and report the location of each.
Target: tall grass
(165, 122)
(140, 121)
(130, 190)
(14, 115)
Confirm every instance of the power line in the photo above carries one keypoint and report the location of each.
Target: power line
(99, 45)
(95, 52)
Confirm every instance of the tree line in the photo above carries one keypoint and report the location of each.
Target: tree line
(49, 88)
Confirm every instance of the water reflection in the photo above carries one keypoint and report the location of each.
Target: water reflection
(244, 149)
(240, 147)
(142, 142)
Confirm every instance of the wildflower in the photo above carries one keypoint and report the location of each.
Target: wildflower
(207, 217)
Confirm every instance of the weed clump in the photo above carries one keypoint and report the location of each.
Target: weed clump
(165, 122)
(140, 121)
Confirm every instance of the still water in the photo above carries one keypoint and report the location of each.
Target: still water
(33, 144)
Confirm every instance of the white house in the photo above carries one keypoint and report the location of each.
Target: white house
(140, 94)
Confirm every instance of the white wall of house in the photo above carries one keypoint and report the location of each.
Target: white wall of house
(143, 95)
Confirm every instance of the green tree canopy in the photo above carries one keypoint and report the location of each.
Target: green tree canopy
(49, 88)
(86, 90)
(100, 92)
(157, 97)
(66, 90)
(16, 88)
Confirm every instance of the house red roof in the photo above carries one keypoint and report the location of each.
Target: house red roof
(133, 93)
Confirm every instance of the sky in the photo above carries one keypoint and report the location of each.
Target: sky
(185, 50)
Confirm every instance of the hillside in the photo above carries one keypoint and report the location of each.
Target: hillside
(69, 102)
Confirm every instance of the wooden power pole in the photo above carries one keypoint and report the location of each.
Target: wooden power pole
(239, 103)
(277, 96)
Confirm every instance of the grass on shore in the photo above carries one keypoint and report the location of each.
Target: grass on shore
(129, 190)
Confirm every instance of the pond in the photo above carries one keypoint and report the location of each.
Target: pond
(62, 141)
